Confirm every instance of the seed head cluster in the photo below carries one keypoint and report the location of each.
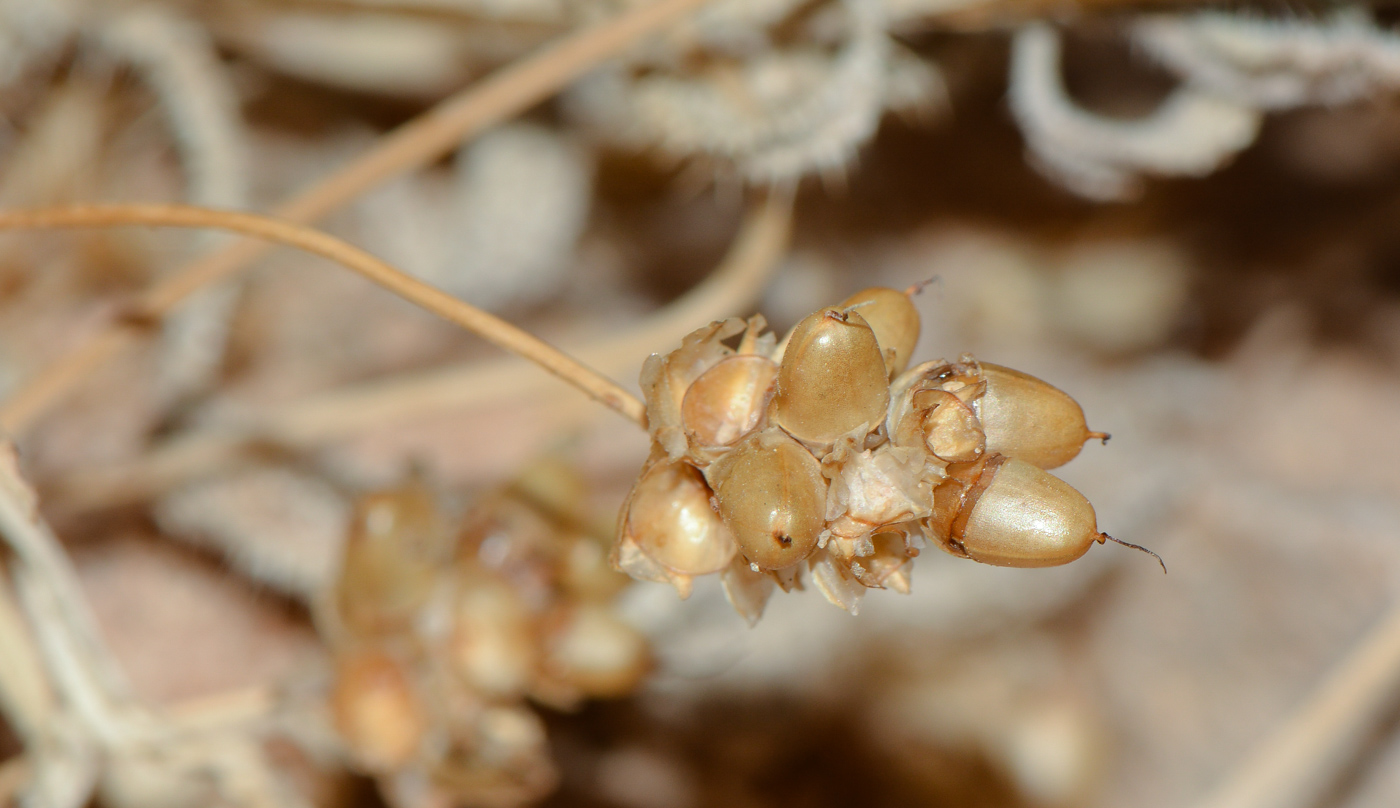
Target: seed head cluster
(820, 457)
(441, 631)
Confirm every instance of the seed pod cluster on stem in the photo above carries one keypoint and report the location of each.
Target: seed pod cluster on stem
(472, 616)
(821, 458)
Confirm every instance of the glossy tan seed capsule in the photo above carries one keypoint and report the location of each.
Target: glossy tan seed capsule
(671, 520)
(772, 495)
(728, 400)
(832, 378)
(893, 318)
(1025, 418)
(1013, 514)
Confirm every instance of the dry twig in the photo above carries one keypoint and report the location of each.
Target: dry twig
(730, 289)
(1296, 766)
(415, 144)
(488, 326)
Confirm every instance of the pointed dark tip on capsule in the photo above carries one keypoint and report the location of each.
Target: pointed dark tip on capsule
(1102, 436)
(1103, 536)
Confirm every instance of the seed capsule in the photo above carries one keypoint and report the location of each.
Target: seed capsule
(665, 380)
(376, 710)
(727, 401)
(832, 378)
(772, 495)
(1025, 418)
(671, 520)
(397, 543)
(1009, 513)
(893, 318)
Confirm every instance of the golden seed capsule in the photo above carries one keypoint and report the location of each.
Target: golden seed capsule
(665, 379)
(1009, 513)
(376, 710)
(832, 378)
(670, 518)
(772, 495)
(727, 401)
(893, 318)
(1025, 418)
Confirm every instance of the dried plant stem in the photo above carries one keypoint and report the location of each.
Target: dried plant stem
(502, 95)
(730, 289)
(1297, 765)
(487, 326)
(26, 700)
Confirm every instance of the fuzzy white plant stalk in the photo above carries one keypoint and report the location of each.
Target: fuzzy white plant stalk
(32, 32)
(177, 60)
(1275, 63)
(775, 116)
(1191, 133)
(104, 737)
(369, 51)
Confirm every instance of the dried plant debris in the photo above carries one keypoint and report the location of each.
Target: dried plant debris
(1233, 68)
(773, 115)
(502, 231)
(275, 525)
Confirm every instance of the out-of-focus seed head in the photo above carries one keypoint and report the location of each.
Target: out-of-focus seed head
(585, 571)
(1028, 419)
(893, 318)
(669, 531)
(493, 645)
(376, 710)
(771, 493)
(397, 543)
(497, 755)
(1006, 512)
(728, 401)
(594, 652)
(832, 379)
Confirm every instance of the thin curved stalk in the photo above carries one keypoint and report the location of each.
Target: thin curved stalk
(1296, 766)
(497, 98)
(489, 327)
(730, 289)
